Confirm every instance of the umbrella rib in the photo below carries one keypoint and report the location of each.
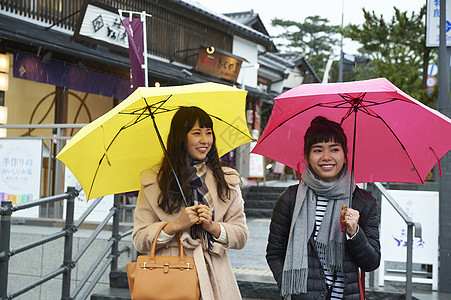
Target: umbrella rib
(145, 109)
(365, 110)
(366, 107)
(101, 159)
(402, 145)
(111, 142)
(280, 124)
(234, 127)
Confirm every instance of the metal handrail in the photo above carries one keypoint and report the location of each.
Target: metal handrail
(70, 261)
(410, 224)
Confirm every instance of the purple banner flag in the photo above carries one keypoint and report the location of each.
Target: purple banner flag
(134, 30)
(70, 76)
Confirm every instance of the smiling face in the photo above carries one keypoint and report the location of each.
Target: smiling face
(326, 160)
(199, 141)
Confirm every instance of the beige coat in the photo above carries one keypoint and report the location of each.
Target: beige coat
(218, 282)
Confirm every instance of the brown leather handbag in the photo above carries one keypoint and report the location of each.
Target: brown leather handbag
(163, 277)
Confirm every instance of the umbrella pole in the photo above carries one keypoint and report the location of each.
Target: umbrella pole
(353, 155)
(167, 157)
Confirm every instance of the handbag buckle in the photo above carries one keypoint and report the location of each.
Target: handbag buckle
(144, 268)
(166, 268)
(187, 267)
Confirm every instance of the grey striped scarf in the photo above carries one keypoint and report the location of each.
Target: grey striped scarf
(330, 240)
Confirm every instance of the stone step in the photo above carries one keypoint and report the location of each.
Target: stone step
(112, 294)
(261, 196)
(381, 295)
(118, 278)
(263, 213)
(259, 204)
(253, 284)
(265, 189)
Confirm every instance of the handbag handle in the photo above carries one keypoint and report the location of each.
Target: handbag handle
(154, 243)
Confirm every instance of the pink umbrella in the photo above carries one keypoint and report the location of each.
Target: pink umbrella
(391, 136)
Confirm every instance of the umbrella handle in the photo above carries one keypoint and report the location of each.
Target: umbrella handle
(351, 188)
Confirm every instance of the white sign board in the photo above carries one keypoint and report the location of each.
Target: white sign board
(20, 173)
(256, 163)
(81, 202)
(393, 235)
(103, 25)
(433, 23)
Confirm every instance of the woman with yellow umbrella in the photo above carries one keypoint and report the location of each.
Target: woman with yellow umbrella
(214, 218)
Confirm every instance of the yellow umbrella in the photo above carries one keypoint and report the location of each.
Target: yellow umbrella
(107, 155)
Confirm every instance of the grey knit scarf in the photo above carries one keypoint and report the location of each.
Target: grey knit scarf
(330, 239)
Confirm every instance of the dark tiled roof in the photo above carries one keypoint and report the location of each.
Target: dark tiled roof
(298, 59)
(31, 36)
(245, 17)
(229, 22)
(278, 58)
(250, 19)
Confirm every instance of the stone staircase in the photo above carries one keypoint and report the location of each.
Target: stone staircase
(253, 284)
(259, 201)
(251, 287)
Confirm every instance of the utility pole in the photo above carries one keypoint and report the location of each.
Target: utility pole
(444, 106)
(340, 65)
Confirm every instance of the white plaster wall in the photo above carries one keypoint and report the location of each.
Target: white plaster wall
(294, 79)
(249, 51)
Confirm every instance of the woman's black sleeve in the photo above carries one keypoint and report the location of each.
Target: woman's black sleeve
(279, 231)
(365, 246)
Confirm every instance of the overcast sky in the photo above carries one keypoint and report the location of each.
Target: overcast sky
(298, 10)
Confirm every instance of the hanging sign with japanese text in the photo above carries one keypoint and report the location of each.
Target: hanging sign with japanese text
(20, 173)
(102, 25)
(218, 64)
(433, 23)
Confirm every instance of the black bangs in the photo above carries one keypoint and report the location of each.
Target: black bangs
(322, 130)
(191, 114)
(327, 137)
(205, 121)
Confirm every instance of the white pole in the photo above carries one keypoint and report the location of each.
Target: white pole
(144, 66)
(340, 65)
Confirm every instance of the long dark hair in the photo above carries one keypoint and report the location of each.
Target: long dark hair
(170, 198)
(323, 130)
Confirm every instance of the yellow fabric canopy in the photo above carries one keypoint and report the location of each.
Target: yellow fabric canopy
(107, 155)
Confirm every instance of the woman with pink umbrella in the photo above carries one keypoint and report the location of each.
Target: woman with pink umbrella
(311, 253)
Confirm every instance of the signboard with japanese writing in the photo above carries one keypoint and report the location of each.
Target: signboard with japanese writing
(102, 25)
(218, 64)
(81, 203)
(20, 173)
(256, 163)
(433, 23)
(393, 235)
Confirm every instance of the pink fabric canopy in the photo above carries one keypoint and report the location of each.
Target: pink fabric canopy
(398, 139)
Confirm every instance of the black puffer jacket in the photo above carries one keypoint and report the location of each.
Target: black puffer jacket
(363, 250)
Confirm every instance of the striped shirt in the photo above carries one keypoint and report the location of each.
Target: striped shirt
(336, 281)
